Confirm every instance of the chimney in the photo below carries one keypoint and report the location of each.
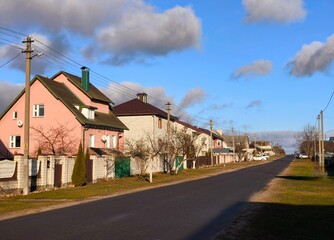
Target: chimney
(142, 97)
(85, 78)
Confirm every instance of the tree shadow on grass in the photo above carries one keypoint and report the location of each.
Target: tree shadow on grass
(282, 221)
(304, 178)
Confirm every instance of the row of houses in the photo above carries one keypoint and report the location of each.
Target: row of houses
(66, 110)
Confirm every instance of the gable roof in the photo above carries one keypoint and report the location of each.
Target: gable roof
(135, 107)
(93, 93)
(61, 92)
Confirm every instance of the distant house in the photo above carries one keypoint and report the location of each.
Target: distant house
(263, 147)
(65, 105)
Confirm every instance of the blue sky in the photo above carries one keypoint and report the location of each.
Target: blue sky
(256, 65)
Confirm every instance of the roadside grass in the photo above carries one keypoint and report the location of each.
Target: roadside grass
(300, 205)
(39, 200)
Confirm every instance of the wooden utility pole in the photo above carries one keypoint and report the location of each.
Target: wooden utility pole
(28, 52)
(322, 139)
(233, 144)
(168, 129)
(319, 140)
(211, 141)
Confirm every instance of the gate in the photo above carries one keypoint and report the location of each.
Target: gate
(178, 160)
(89, 171)
(57, 177)
(122, 167)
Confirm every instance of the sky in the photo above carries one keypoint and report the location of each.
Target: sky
(260, 66)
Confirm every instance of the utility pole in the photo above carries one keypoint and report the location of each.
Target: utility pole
(211, 149)
(28, 52)
(319, 141)
(322, 139)
(233, 144)
(168, 129)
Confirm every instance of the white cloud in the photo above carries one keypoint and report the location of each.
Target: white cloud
(255, 103)
(38, 66)
(256, 68)
(194, 96)
(274, 10)
(8, 92)
(120, 31)
(314, 57)
(144, 32)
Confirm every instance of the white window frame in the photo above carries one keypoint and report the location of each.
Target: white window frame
(108, 141)
(13, 141)
(114, 141)
(36, 110)
(91, 140)
(15, 115)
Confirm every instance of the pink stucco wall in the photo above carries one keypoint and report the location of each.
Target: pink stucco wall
(55, 114)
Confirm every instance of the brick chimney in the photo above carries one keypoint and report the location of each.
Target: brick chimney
(142, 97)
(85, 78)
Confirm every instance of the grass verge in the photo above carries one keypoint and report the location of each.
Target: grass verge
(37, 201)
(299, 204)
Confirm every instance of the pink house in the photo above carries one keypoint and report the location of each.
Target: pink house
(64, 111)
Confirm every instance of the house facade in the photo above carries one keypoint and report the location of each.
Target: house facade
(64, 111)
(144, 121)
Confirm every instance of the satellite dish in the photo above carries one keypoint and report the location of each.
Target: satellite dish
(19, 123)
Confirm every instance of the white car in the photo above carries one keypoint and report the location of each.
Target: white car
(259, 158)
(302, 156)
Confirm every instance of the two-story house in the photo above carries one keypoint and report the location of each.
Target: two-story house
(64, 110)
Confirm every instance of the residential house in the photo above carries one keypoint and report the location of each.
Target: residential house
(143, 120)
(67, 106)
(263, 147)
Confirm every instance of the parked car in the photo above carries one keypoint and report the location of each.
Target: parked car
(259, 158)
(302, 156)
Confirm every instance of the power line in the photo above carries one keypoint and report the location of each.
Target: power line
(329, 101)
(10, 60)
(58, 59)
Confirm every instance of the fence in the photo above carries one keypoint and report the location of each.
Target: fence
(50, 171)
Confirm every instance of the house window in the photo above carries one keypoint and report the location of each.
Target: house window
(159, 123)
(91, 140)
(114, 141)
(15, 115)
(108, 141)
(91, 114)
(38, 110)
(15, 141)
(88, 113)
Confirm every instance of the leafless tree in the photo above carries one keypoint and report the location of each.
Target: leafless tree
(182, 143)
(307, 140)
(240, 147)
(56, 140)
(143, 151)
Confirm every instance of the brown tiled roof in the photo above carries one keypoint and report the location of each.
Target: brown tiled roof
(135, 107)
(93, 93)
(61, 92)
(102, 120)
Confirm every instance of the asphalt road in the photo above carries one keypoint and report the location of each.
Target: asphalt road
(197, 209)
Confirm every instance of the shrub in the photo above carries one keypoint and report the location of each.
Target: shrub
(79, 170)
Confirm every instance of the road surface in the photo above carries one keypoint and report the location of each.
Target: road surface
(197, 209)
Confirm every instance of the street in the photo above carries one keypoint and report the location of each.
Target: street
(198, 209)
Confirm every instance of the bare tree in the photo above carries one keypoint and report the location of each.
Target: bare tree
(183, 144)
(307, 140)
(143, 151)
(56, 140)
(240, 147)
